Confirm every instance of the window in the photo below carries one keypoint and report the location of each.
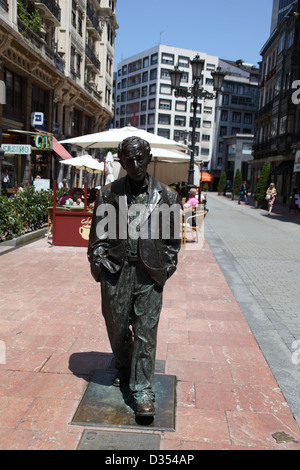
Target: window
(152, 89)
(225, 99)
(180, 121)
(207, 110)
(164, 119)
(281, 43)
(13, 85)
(211, 67)
(236, 117)
(164, 133)
(134, 66)
(144, 91)
(185, 77)
(151, 118)
(167, 58)
(198, 122)
(145, 62)
(151, 104)
(183, 61)
(231, 149)
(145, 77)
(165, 89)
(153, 74)
(165, 74)
(247, 149)
(204, 151)
(290, 38)
(246, 101)
(223, 131)
(197, 136)
(180, 136)
(165, 104)
(73, 13)
(207, 124)
(143, 105)
(235, 130)
(199, 108)
(224, 115)
(154, 59)
(180, 106)
(205, 137)
(248, 118)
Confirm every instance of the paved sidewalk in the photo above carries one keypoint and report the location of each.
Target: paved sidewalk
(54, 338)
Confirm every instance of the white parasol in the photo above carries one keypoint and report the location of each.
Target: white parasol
(85, 162)
(112, 138)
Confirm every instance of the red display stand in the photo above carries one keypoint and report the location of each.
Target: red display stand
(71, 226)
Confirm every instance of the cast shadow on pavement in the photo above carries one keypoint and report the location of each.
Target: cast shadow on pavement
(84, 364)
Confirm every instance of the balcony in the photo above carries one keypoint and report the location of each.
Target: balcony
(4, 5)
(91, 15)
(50, 11)
(91, 55)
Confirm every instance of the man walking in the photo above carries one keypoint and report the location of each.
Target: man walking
(132, 260)
(243, 192)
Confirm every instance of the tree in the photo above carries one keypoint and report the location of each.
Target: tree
(222, 183)
(263, 183)
(237, 183)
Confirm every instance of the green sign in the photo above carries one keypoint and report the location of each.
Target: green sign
(43, 142)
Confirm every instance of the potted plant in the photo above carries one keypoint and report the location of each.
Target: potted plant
(222, 184)
(262, 185)
(237, 183)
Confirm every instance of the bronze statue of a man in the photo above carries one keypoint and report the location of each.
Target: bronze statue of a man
(133, 247)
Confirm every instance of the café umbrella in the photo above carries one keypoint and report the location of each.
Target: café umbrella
(85, 162)
(112, 137)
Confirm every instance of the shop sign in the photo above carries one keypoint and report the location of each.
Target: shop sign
(37, 119)
(43, 142)
(297, 162)
(16, 149)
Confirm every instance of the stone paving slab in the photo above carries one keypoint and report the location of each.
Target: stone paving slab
(55, 338)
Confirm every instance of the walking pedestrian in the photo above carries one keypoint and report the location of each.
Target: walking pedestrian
(5, 181)
(270, 197)
(243, 192)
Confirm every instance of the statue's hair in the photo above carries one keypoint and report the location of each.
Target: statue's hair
(132, 143)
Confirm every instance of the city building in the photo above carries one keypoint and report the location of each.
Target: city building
(56, 67)
(278, 122)
(145, 99)
(236, 107)
(280, 8)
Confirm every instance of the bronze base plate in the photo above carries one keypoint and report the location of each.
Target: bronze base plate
(118, 440)
(105, 405)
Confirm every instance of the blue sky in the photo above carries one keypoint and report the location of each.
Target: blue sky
(229, 29)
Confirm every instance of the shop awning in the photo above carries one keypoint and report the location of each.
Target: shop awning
(60, 150)
(206, 177)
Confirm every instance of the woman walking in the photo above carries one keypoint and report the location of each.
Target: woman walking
(270, 196)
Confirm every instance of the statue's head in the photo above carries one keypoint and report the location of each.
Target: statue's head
(135, 155)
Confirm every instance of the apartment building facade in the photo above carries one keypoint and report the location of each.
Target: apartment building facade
(236, 108)
(278, 118)
(144, 97)
(56, 60)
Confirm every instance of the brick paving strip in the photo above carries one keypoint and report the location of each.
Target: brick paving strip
(55, 337)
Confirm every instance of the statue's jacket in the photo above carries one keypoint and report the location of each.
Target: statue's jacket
(157, 247)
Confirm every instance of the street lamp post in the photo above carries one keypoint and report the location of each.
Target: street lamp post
(195, 92)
